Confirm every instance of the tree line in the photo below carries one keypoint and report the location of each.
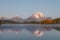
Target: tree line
(52, 21)
(47, 21)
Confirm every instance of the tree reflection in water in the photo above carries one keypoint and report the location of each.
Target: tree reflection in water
(35, 30)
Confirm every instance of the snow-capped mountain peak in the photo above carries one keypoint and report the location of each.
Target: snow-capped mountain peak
(2, 18)
(38, 15)
(16, 19)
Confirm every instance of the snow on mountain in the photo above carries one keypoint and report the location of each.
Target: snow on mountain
(2, 18)
(36, 17)
(16, 19)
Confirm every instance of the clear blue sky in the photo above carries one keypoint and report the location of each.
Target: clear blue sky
(25, 8)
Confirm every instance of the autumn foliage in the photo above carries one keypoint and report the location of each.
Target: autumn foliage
(46, 22)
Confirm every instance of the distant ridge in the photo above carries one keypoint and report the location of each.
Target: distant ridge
(2, 18)
(16, 19)
(36, 17)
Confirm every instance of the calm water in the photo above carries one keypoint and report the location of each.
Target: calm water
(29, 32)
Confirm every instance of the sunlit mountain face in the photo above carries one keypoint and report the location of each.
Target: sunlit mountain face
(17, 19)
(38, 16)
(2, 18)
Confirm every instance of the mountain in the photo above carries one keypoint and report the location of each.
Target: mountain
(36, 17)
(17, 19)
(2, 18)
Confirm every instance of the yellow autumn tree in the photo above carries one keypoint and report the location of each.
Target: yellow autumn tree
(46, 22)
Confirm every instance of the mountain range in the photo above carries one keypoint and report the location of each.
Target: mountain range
(36, 17)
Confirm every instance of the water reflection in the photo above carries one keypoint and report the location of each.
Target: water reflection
(35, 30)
(56, 28)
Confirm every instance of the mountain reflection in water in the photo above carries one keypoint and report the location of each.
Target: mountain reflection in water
(29, 32)
(35, 30)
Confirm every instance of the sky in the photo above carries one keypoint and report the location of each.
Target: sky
(25, 8)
